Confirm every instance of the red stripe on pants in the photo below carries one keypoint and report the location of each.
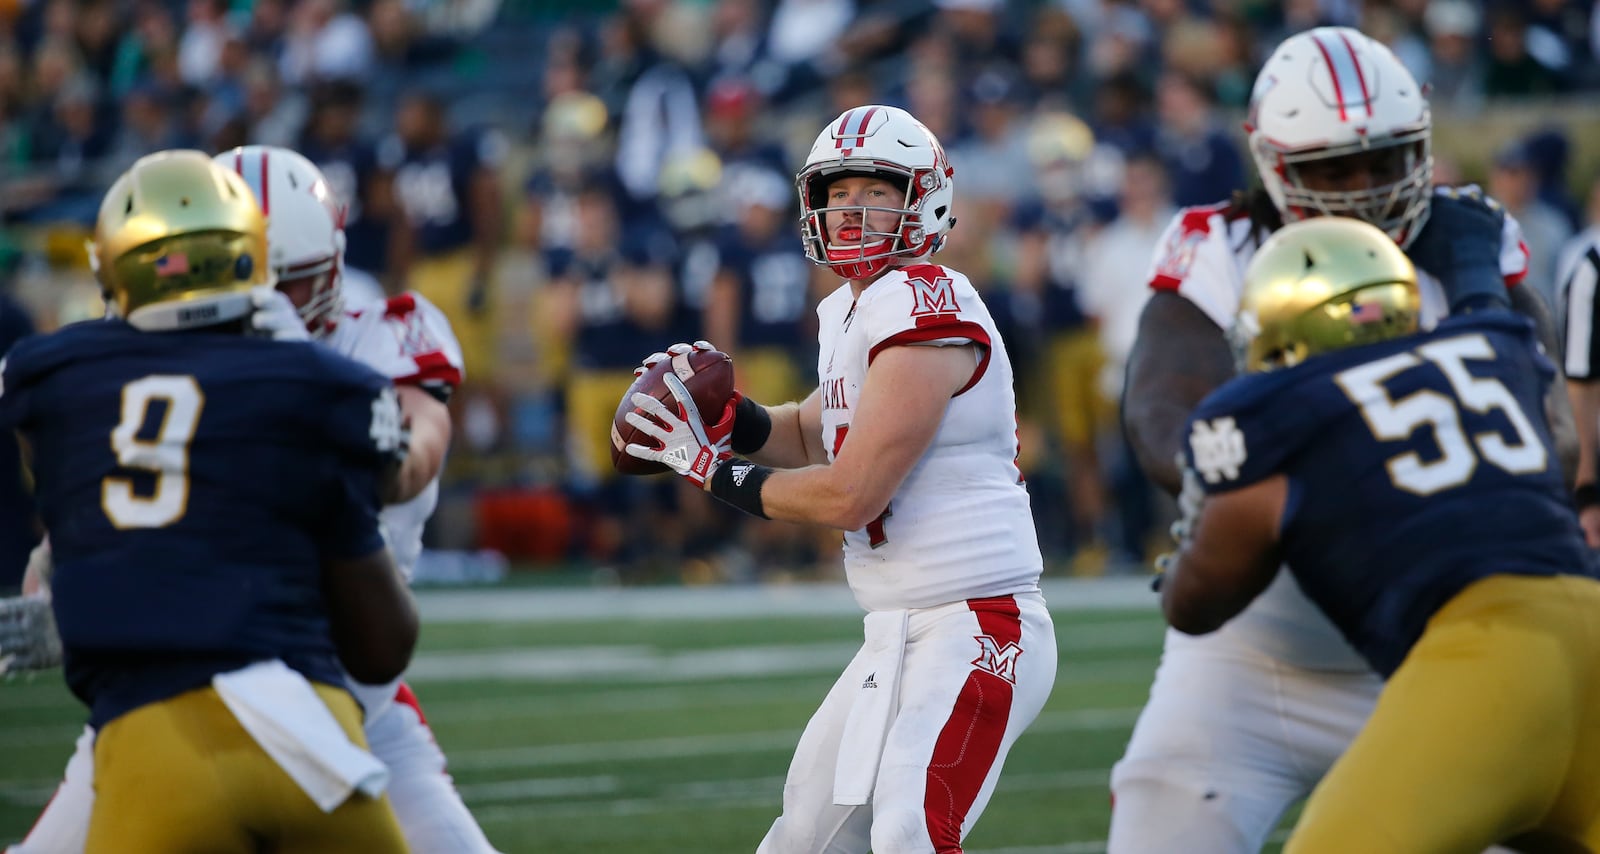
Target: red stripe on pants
(970, 740)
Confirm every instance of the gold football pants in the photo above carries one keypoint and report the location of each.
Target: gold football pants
(447, 280)
(1489, 730)
(181, 776)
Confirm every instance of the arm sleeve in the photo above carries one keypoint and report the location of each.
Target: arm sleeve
(362, 424)
(1513, 252)
(929, 305)
(1583, 348)
(1195, 261)
(412, 344)
(360, 416)
(351, 527)
(1246, 430)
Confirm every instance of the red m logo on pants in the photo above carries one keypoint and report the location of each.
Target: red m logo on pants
(997, 659)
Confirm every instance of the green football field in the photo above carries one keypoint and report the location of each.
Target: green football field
(663, 721)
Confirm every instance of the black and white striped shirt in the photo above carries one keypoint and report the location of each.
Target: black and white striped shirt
(1583, 309)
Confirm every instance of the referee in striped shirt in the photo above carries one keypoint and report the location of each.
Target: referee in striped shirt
(1580, 284)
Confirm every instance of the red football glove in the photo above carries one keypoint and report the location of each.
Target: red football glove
(689, 446)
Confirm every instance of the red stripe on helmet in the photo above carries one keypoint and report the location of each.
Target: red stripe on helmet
(266, 207)
(1333, 73)
(839, 134)
(866, 120)
(1361, 77)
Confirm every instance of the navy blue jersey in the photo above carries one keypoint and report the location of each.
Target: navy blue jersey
(191, 484)
(607, 338)
(349, 169)
(434, 186)
(1415, 467)
(1066, 236)
(774, 290)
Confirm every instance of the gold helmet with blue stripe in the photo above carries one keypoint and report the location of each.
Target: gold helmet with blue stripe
(179, 243)
(1320, 285)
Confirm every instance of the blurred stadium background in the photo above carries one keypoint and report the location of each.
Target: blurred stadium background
(580, 183)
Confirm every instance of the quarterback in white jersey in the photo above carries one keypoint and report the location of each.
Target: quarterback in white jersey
(408, 340)
(909, 446)
(1244, 722)
(961, 521)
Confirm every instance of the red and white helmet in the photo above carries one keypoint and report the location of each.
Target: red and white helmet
(1332, 92)
(305, 225)
(882, 142)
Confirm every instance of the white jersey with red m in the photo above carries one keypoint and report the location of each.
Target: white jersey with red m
(960, 526)
(1203, 257)
(1205, 250)
(408, 340)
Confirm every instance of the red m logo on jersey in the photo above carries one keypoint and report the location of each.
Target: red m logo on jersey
(997, 659)
(933, 296)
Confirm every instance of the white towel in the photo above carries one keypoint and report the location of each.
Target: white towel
(283, 713)
(867, 728)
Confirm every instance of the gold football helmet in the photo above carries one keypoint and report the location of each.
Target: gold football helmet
(1060, 149)
(1320, 285)
(688, 185)
(179, 243)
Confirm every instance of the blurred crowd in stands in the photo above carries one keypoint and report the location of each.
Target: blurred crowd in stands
(580, 184)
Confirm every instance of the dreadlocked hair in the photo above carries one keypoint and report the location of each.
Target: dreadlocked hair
(1255, 204)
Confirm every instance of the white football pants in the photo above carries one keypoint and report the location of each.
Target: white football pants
(424, 798)
(1230, 739)
(973, 675)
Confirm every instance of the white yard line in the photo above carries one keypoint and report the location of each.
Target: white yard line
(517, 791)
(62, 732)
(722, 744)
(538, 605)
(629, 663)
(748, 793)
(645, 664)
(657, 700)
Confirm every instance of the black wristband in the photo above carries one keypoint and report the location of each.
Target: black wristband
(1586, 495)
(738, 483)
(751, 426)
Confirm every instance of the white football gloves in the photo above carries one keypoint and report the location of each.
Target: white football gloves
(674, 350)
(275, 316)
(688, 445)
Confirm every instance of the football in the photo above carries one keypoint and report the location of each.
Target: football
(707, 374)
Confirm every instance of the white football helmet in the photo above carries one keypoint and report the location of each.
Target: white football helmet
(305, 225)
(884, 142)
(1332, 92)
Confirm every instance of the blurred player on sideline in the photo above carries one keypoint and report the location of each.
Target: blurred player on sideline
(213, 499)
(1242, 723)
(909, 446)
(1409, 481)
(1580, 292)
(409, 341)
